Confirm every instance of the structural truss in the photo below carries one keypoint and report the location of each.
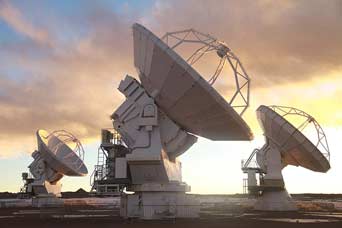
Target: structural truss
(207, 44)
(322, 141)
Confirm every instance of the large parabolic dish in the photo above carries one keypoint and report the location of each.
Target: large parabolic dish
(296, 148)
(182, 93)
(58, 155)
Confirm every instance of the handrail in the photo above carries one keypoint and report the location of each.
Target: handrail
(248, 161)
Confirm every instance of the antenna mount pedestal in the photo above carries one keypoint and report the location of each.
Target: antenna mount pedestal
(155, 142)
(46, 180)
(274, 196)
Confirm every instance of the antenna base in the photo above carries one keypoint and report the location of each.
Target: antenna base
(270, 191)
(159, 201)
(275, 201)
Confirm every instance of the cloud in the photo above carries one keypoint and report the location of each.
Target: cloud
(278, 41)
(65, 76)
(70, 85)
(17, 21)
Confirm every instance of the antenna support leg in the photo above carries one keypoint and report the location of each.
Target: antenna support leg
(274, 196)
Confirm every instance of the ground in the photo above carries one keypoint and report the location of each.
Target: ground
(99, 217)
(219, 211)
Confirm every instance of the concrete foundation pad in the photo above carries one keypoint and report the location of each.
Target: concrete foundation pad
(275, 201)
(47, 202)
(159, 205)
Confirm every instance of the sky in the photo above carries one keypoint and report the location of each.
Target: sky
(61, 62)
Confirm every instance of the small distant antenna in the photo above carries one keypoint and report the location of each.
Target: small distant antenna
(285, 145)
(59, 153)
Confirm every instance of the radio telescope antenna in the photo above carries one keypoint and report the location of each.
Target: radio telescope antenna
(59, 153)
(286, 144)
(182, 93)
(158, 122)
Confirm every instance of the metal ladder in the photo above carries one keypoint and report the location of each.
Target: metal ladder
(99, 172)
(245, 186)
(101, 157)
